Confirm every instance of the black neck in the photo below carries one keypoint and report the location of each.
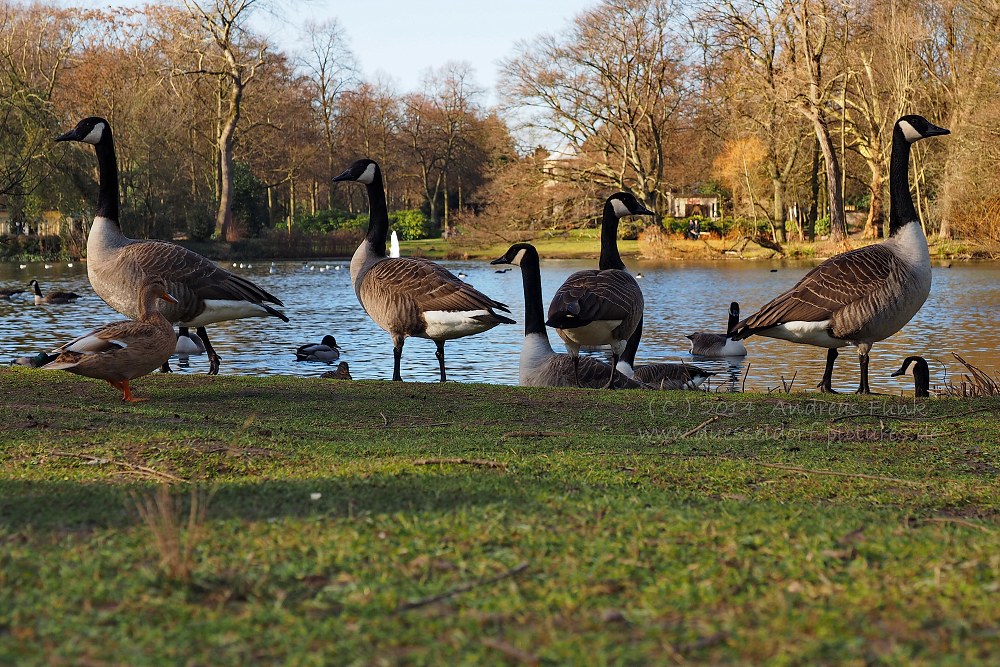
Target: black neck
(378, 215)
(107, 166)
(921, 380)
(531, 277)
(734, 319)
(632, 345)
(38, 290)
(901, 209)
(610, 258)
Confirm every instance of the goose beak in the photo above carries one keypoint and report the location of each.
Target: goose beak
(644, 211)
(346, 176)
(500, 260)
(169, 299)
(67, 136)
(897, 373)
(935, 131)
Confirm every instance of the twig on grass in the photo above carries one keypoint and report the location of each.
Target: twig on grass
(123, 464)
(856, 415)
(537, 434)
(511, 651)
(951, 519)
(690, 432)
(463, 588)
(484, 463)
(813, 471)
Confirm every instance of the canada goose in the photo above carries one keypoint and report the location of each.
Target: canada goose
(601, 306)
(410, 296)
(121, 351)
(865, 295)
(393, 245)
(662, 375)
(540, 366)
(343, 372)
(116, 265)
(328, 350)
(188, 343)
(917, 367)
(52, 297)
(719, 345)
(8, 292)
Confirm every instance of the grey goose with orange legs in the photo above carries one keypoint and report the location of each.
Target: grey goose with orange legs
(540, 366)
(601, 306)
(411, 296)
(117, 265)
(865, 295)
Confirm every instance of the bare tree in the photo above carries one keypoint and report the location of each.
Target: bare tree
(234, 58)
(331, 70)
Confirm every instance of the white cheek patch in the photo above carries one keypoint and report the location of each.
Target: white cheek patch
(368, 175)
(95, 135)
(909, 132)
(518, 257)
(620, 209)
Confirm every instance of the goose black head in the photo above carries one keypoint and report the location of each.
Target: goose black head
(734, 309)
(625, 203)
(361, 171)
(516, 253)
(92, 130)
(915, 128)
(910, 366)
(330, 341)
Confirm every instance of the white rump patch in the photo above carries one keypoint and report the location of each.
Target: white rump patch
(446, 325)
(621, 210)
(625, 369)
(95, 135)
(368, 175)
(597, 332)
(910, 132)
(222, 310)
(810, 333)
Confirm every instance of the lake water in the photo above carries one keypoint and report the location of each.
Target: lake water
(959, 316)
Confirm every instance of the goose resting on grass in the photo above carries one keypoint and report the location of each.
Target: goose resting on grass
(540, 366)
(866, 295)
(665, 376)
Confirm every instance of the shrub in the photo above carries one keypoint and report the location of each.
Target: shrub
(410, 224)
(823, 226)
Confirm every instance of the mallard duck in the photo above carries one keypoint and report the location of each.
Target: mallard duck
(52, 297)
(342, 372)
(124, 350)
(328, 350)
(34, 361)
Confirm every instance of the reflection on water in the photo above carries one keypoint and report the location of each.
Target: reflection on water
(959, 316)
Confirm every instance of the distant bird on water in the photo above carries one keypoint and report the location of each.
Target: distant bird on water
(52, 297)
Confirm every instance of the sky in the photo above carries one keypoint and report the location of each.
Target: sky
(403, 39)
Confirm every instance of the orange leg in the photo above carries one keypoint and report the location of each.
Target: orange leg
(122, 386)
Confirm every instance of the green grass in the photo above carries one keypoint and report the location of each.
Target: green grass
(598, 534)
(573, 244)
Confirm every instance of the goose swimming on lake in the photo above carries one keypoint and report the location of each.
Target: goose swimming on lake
(917, 368)
(116, 265)
(410, 296)
(662, 375)
(601, 306)
(865, 295)
(715, 345)
(122, 351)
(328, 350)
(540, 366)
(52, 297)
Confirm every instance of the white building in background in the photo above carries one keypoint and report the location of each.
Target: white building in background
(685, 207)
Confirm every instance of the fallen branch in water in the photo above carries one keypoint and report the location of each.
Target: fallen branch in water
(463, 588)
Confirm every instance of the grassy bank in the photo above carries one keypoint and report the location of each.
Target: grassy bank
(381, 523)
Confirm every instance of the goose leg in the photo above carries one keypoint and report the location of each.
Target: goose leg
(165, 368)
(863, 388)
(397, 355)
(440, 357)
(825, 385)
(214, 359)
(576, 370)
(614, 365)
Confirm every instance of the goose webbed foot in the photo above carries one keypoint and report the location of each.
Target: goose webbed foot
(165, 368)
(214, 360)
(826, 384)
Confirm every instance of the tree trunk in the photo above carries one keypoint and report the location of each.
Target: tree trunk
(224, 217)
(814, 192)
(876, 211)
(838, 220)
(778, 212)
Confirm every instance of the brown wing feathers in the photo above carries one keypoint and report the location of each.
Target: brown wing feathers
(432, 286)
(594, 295)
